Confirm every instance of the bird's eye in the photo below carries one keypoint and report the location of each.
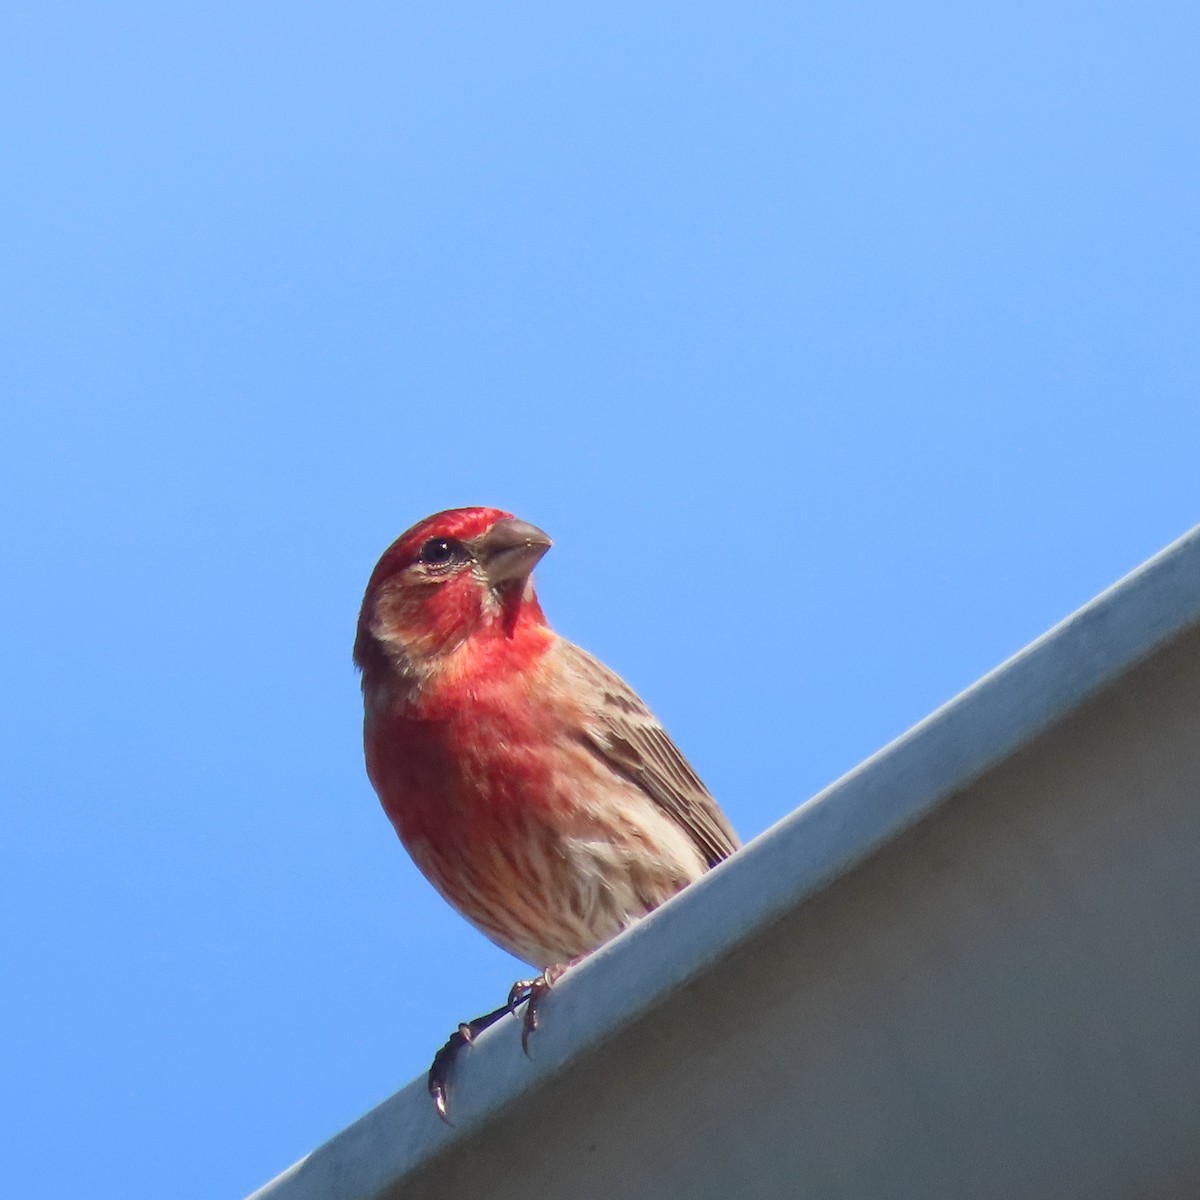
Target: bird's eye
(439, 552)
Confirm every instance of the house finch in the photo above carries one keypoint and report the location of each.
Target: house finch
(530, 785)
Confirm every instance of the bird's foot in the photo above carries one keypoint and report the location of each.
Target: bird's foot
(464, 1035)
(537, 991)
(529, 992)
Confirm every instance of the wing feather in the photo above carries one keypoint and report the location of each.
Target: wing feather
(627, 735)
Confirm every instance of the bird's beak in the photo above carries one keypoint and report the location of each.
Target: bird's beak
(510, 550)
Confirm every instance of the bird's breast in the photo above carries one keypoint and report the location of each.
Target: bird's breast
(469, 764)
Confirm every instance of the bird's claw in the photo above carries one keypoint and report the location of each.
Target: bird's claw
(530, 992)
(439, 1071)
(538, 988)
(520, 992)
(444, 1059)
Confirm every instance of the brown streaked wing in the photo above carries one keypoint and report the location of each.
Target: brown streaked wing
(628, 736)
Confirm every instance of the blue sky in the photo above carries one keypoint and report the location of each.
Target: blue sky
(842, 350)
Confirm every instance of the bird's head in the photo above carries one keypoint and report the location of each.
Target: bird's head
(452, 576)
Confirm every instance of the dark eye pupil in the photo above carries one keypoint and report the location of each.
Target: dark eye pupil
(438, 551)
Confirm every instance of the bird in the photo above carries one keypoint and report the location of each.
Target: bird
(528, 782)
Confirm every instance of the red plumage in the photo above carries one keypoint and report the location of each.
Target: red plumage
(530, 785)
